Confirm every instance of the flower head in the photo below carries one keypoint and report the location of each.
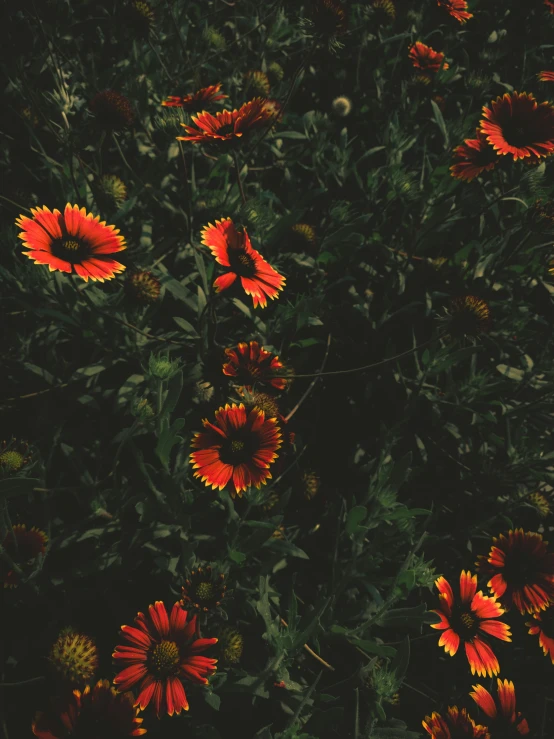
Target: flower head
(142, 15)
(112, 191)
(143, 287)
(473, 157)
(100, 710)
(311, 483)
(251, 364)
(238, 448)
(468, 317)
(275, 72)
(549, 5)
(456, 724)
(425, 58)
(329, 16)
(385, 10)
(304, 236)
(75, 242)
(112, 110)
(161, 653)
(202, 592)
(505, 720)
(521, 570)
(74, 656)
(457, 9)
(14, 455)
(214, 38)
(516, 124)
(541, 504)
(233, 250)
(231, 644)
(342, 106)
(546, 76)
(195, 101)
(466, 621)
(23, 546)
(258, 82)
(543, 624)
(230, 126)
(266, 403)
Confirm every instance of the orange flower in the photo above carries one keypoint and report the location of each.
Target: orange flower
(473, 157)
(230, 126)
(233, 250)
(516, 124)
(425, 58)
(24, 551)
(546, 76)
(522, 571)
(506, 721)
(467, 620)
(238, 448)
(73, 242)
(161, 652)
(457, 9)
(543, 625)
(252, 364)
(194, 101)
(456, 723)
(112, 715)
(549, 5)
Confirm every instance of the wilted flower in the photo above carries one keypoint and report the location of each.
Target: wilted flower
(251, 365)
(74, 656)
(455, 723)
(112, 191)
(385, 10)
(195, 101)
(275, 72)
(203, 391)
(304, 235)
(342, 106)
(201, 591)
(231, 644)
(473, 157)
(540, 503)
(112, 109)
(468, 317)
(457, 9)
(213, 38)
(329, 16)
(142, 409)
(142, 16)
(143, 287)
(258, 82)
(311, 482)
(23, 546)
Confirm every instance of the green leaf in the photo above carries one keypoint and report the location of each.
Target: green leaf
(401, 617)
(167, 440)
(440, 123)
(511, 372)
(187, 327)
(212, 700)
(236, 556)
(402, 659)
(372, 647)
(354, 518)
(13, 486)
(174, 388)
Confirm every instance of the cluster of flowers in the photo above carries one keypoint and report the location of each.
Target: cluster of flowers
(521, 574)
(161, 653)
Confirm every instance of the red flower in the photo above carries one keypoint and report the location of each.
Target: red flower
(195, 100)
(473, 157)
(231, 125)
(426, 58)
(72, 242)
(24, 550)
(232, 249)
(543, 625)
(516, 124)
(465, 621)
(550, 5)
(457, 9)
(111, 714)
(505, 718)
(252, 364)
(546, 76)
(162, 653)
(457, 724)
(239, 447)
(522, 571)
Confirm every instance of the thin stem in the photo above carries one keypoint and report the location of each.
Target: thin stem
(239, 181)
(366, 366)
(311, 651)
(21, 207)
(23, 682)
(313, 382)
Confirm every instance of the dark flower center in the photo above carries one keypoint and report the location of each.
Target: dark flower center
(241, 263)
(465, 624)
(204, 591)
(70, 250)
(519, 133)
(239, 450)
(519, 570)
(164, 659)
(226, 129)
